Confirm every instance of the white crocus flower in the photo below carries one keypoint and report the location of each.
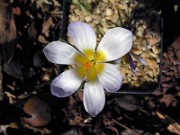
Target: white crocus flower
(92, 63)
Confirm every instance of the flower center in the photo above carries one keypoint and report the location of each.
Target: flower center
(89, 64)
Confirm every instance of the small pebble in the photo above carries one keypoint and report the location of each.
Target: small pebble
(151, 62)
(155, 50)
(109, 12)
(154, 55)
(88, 19)
(150, 72)
(138, 52)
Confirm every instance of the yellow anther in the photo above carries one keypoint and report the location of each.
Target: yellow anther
(88, 64)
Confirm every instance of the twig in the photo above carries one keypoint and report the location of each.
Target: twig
(134, 132)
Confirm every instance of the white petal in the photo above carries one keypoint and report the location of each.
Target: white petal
(60, 53)
(94, 98)
(110, 78)
(116, 43)
(82, 35)
(66, 84)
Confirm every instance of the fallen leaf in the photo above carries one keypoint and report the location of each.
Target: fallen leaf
(13, 69)
(46, 26)
(173, 125)
(173, 129)
(38, 59)
(130, 132)
(40, 112)
(128, 102)
(70, 132)
(167, 99)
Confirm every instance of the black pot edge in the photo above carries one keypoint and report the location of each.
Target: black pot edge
(122, 90)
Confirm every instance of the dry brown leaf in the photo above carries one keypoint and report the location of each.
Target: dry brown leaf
(43, 131)
(42, 39)
(16, 11)
(167, 99)
(46, 26)
(6, 35)
(173, 129)
(128, 102)
(161, 116)
(173, 125)
(12, 98)
(71, 132)
(39, 110)
(129, 130)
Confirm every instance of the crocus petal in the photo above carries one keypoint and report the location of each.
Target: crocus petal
(66, 83)
(116, 43)
(82, 35)
(60, 53)
(93, 98)
(110, 78)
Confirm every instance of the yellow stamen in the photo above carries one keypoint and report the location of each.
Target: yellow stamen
(89, 64)
(92, 74)
(89, 54)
